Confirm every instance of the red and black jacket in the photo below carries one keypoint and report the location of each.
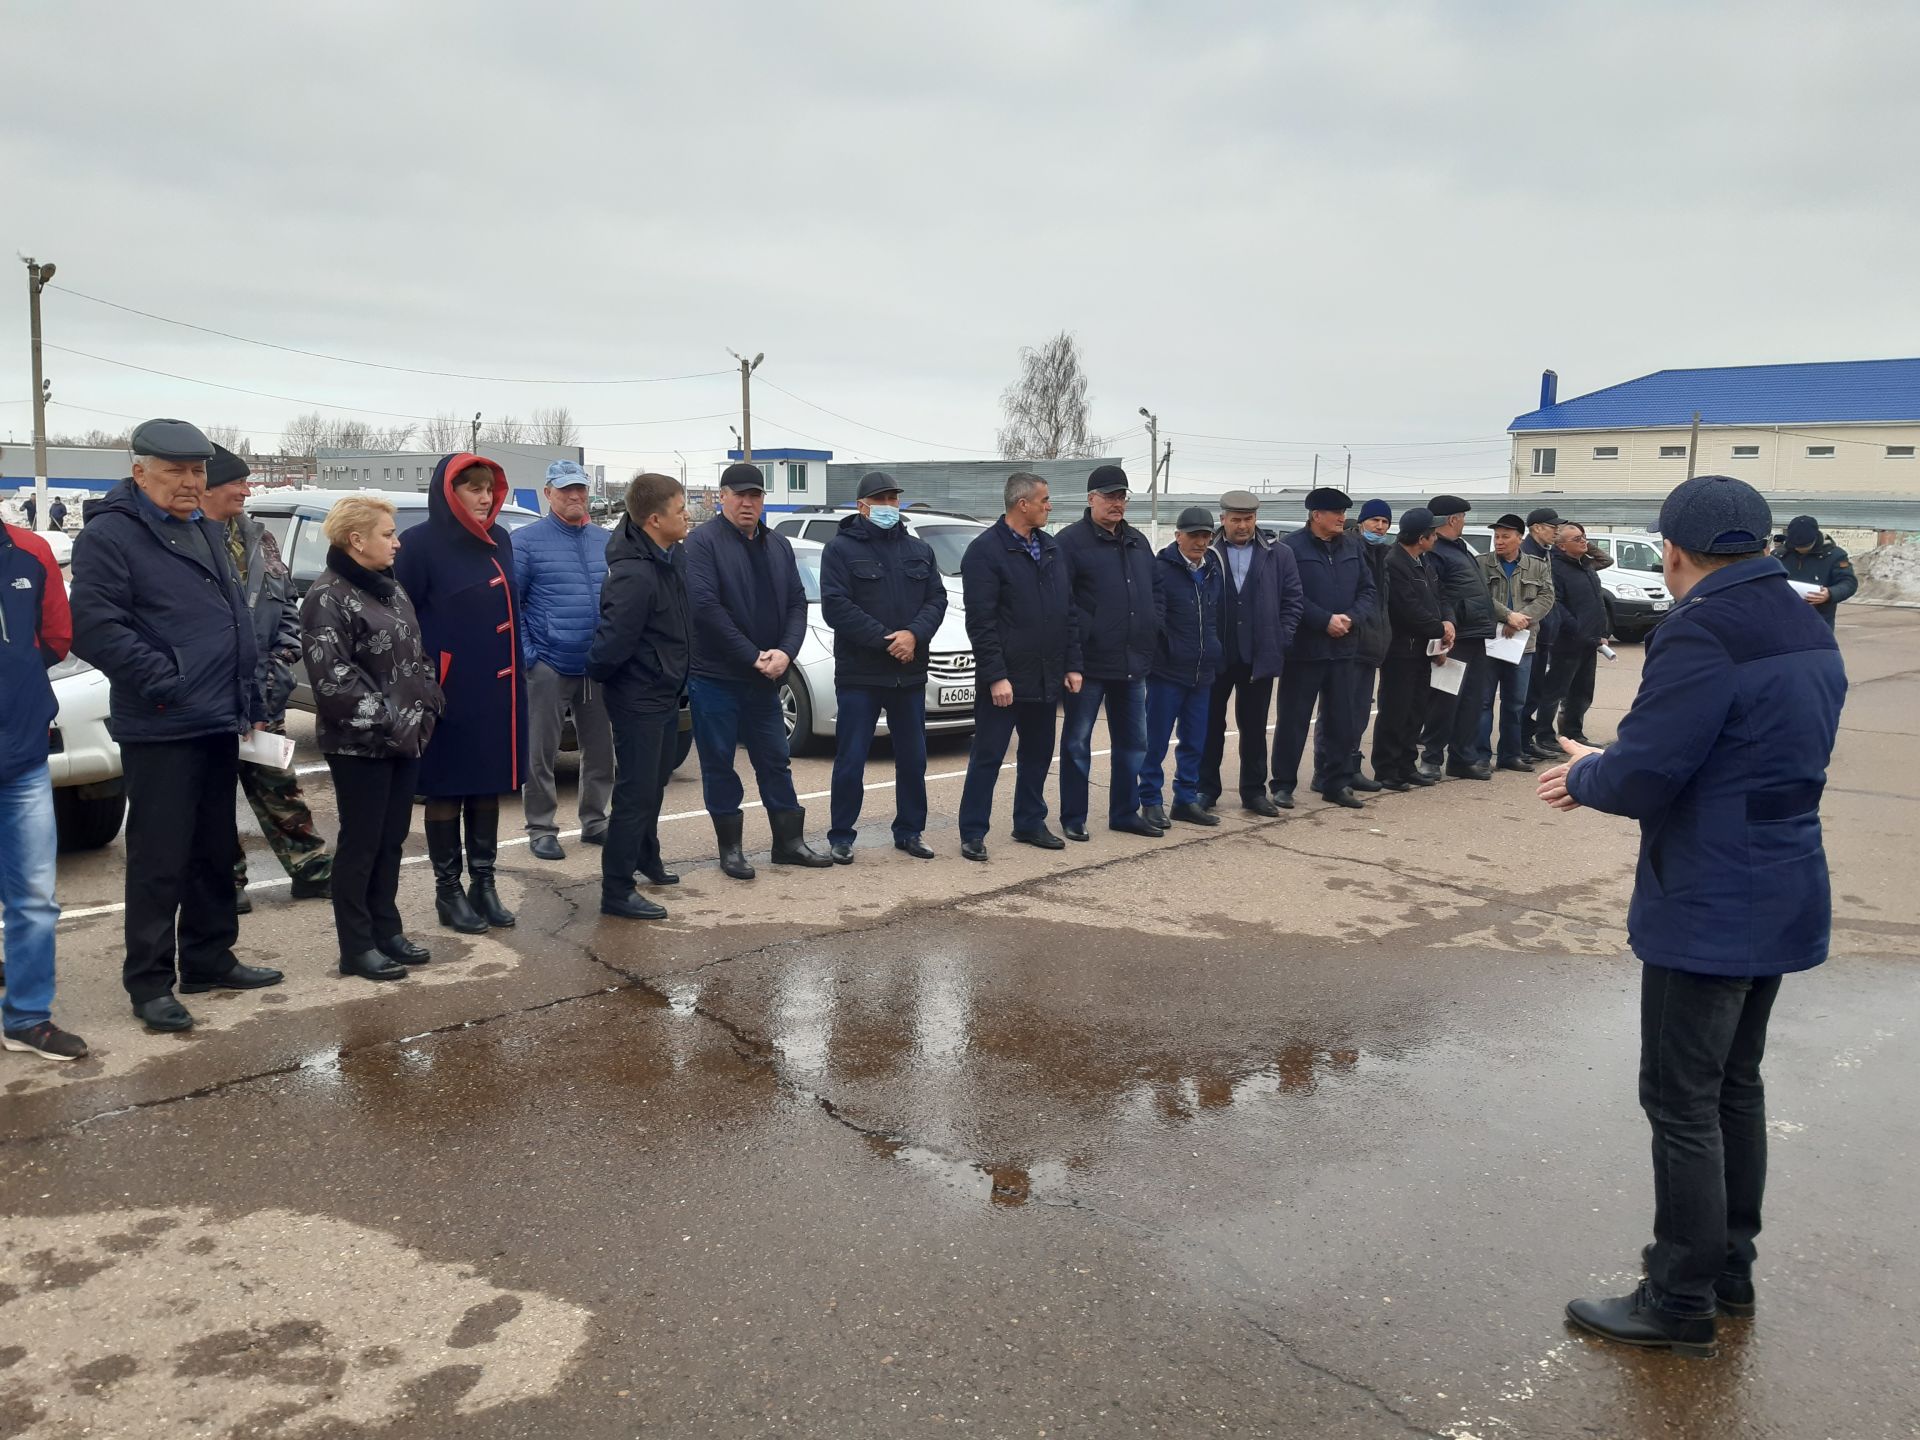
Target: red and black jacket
(35, 632)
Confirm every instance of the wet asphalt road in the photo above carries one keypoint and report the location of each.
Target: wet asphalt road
(1305, 1127)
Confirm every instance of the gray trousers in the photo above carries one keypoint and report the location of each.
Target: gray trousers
(549, 696)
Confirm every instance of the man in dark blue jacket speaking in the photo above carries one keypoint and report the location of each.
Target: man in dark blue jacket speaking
(1722, 760)
(156, 609)
(749, 617)
(883, 595)
(1337, 584)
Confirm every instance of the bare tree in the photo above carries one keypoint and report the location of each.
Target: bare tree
(95, 439)
(554, 426)
(504, 431)
(305, 434)
(1046, 408)
(446, 433)
(230, 436)
(311, 433)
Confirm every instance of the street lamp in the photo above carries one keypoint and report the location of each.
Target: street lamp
(37, 277)
(747, 367)
(1153, 468)
(474, 447)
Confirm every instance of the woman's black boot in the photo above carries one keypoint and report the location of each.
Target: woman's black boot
(449, 900)
(483, 835)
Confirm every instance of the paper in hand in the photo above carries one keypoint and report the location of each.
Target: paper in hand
(1510, 648)
(263, 747)
(1447, 676)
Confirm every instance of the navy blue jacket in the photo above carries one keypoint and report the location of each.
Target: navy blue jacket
(1580, 610)
(1470, 603)
(1020, 614)
(459, 574)
(1335, 579)
(1722, 760)
(720, 586)
(163, 618)
(1257, 623)
(644, 639)
(1825, 564)
(872, 583)
(1416, 611)
(1112, 580)
(1376, 631)
(35, 632)
(1186, 608)
(558, 570)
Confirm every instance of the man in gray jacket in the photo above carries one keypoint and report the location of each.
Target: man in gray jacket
(1522, 589)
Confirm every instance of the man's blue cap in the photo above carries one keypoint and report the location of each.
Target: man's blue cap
(562, 473)
(1716, 515)
(1376, 509)
(170, 440)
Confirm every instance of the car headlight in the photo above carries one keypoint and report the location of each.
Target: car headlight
(69, 667)
(1629, 592)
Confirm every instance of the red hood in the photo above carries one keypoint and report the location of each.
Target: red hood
(450, 471)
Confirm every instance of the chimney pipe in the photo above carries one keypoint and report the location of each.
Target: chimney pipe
(1549, 388)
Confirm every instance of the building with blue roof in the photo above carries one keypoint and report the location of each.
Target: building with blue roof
(1850, 426)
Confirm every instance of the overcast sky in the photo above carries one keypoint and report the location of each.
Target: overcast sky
(1370, 225)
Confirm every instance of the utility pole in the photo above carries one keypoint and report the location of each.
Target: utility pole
(683, 468)
(747, 367)
(37, 277)
(1693, 444)
(1153, 468)
(474, 446)
(1316, 471)
(1347, 484)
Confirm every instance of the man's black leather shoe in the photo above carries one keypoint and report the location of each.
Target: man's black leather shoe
(240, 977)
(1433, 772)
(1580, 739)
(1283, 798)
(973, 850)
(1191, 813)
(1155, 816)
(1344, 798)
(1470, 772)
(1546, 750)
(1259, 805)
(1632, 1320)
(1076, 832)
(1514, 762)
(1398, 787)
(163, 1013)
(1420, 780)
(1207, 802)
(546, 847)
(372, 965)
(914, 846)
(407, 952)
(321, 889)
(1734, 1297)
(599, 837)
(841, 854)
(632, 907)
(1042, 838)
(1128, 825)
(658, 875)
(242, 902)
(1363, 784)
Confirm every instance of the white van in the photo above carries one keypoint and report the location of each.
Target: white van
(1635, 590)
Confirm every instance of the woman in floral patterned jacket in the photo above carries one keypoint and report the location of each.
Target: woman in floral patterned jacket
(376, 701)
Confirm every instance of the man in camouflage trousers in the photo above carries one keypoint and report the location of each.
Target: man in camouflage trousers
(267, 584)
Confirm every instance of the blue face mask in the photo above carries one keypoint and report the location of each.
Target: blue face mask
(1373, 539)
(885, 516)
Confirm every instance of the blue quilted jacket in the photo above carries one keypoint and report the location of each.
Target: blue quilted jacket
(558, 570)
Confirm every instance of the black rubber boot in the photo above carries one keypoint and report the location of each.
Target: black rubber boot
(733, 860)
(449, 900)
(789, 845)
(483, 840)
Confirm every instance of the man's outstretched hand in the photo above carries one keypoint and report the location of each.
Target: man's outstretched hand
(1553, 784)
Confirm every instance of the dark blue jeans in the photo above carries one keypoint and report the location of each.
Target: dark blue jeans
(1329, 683)
(1701, 1041)
(1126, 706)
(644, 738)
(1507, 689)
(726, 716)
(1325, 762)
(1188, 707)
(860, 707)
(993, 726)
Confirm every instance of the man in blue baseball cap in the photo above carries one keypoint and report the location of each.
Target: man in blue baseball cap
(1730, 894)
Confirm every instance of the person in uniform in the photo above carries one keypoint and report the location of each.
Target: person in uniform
(1110, 568)
(1020, 620)
(1522, 589)
(275, 796)
(156, 609)
(749, 618)
(883, 595)
(1813, 559)
(1450, 745)
(1731, 892)
(1338, 596)
(1186, 602)
(1260, 603)
(1418, 616)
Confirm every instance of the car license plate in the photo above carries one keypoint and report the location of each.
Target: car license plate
(1662, 604)
(952, 695)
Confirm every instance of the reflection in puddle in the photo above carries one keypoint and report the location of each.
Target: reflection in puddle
(997, 1183)
(803, 1017)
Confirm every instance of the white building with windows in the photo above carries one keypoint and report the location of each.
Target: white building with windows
(795, 478)
(1848, 427)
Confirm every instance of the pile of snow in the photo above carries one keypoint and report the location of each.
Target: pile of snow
(1890, 572)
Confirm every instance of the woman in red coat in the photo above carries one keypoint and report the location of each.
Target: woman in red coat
(458, 569)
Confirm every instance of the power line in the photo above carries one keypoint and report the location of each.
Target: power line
(1336, 444)
(892, 434)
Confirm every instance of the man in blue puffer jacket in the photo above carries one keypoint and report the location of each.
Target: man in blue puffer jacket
(1722, 760)
(1187, 581)
(559, 565)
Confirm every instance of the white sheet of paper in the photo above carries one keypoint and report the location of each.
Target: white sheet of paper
(1510, 648)
(263, 747)
(1436, 647)
(1800, 587)
(1447, 676)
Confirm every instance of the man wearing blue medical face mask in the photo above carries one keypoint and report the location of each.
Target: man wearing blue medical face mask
(882, 594)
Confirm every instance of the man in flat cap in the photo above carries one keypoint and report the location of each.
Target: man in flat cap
(1580, 627)
(1338, 598)
(1260, 604)
(157, 610)
(1815, 562)
(1731, 893)
(1374, 528)
(1543, 530)
(1110, 569)
(1451, 743)
(882, 593)
(749, 617)
(1522, 590)
(275, 796)
(1417, 616)
(1186, 599)
(559, 570)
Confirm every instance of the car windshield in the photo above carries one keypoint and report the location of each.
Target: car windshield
(949, 544)
(808, 562)
(1636, 555)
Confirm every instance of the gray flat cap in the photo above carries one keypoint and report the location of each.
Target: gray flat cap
(170, 440)
(1245, 501)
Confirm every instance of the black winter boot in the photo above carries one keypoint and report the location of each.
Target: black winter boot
(449, 900)
(789, 845)
(733, 860)
(483, 837)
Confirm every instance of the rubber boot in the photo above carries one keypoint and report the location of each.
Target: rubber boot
(449, 900)
(733, 860)
(789, 845)
(483, 835)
